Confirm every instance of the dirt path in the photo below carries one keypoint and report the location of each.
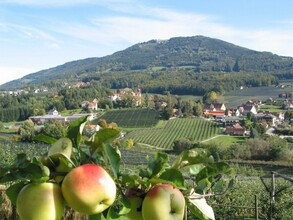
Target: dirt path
(212, 138)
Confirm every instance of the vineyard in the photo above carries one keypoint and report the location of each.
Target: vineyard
(137, 118)
(195, 129)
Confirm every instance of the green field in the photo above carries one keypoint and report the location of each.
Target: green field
(133, 118)
(195, 129)
(226, 140)
(238, 97)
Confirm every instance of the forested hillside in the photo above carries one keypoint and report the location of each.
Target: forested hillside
(182, 65)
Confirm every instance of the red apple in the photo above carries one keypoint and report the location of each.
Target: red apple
(40, 201)
(89, 189)
(163, 202)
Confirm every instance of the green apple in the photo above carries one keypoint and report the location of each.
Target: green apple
(89, 189)
(40, 201)
(135, 199)
(163, 202)
(61, 146)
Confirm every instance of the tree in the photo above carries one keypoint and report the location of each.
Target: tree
(27, 130)
(278, 147)
(182, 144)
(236, 67)
(227, 68)
(54, 128)
(167, 112)
(146, 100)
(210, 97)
(197, 109)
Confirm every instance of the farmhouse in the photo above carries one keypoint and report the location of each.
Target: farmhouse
(90, 105)
(244, 110)
(235, 129)
(214, 109)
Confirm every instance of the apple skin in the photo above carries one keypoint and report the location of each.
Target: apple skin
(89, 189)
(163, 202)
(135, 198)
(38, 201)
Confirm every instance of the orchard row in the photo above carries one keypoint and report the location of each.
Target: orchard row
(195, 130)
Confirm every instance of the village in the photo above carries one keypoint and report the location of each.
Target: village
(230, 119)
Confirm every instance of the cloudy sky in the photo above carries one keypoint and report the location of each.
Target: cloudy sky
(40, 34)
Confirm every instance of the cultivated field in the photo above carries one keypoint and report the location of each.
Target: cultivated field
(195, 129)
(238, 97)
(133, 118)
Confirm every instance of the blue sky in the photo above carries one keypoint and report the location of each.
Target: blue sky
(40, 34)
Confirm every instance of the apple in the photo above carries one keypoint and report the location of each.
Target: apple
(163, 202)
(38, 201)
(135, 198)
(89, 189)
(61, 146)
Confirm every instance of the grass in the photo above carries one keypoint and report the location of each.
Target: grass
(71, 112)
(272, 108)
(226, 140)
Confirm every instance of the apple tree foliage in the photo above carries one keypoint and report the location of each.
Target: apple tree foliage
(194, 172)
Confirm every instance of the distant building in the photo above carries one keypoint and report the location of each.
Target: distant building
(244, 110)
(214, 107)
(235, 129)
(54, 115)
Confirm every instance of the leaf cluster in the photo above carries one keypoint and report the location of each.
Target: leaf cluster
(193, 166)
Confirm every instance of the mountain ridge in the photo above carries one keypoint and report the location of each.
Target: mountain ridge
(202, 53)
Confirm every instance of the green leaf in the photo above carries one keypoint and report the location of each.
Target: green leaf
(212, 170)
(75, 129)
(174, 177)
(44, 138)
(200, 208)
(24, 169)
(192, 157)
(156, 166)
(219, 186)
(59, 162)
(131, 180)
(126, 206)
(13, 191)
(101, 137)
(112, 215)
(113, 156)
(195, 169)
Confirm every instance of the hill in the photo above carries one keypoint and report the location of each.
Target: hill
(156, 61)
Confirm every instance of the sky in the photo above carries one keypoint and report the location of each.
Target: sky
(40, 34)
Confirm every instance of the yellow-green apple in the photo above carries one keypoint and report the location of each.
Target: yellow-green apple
(40, 201)
(135, 198)
(163, 202)
(61, 146)
(89, 189)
